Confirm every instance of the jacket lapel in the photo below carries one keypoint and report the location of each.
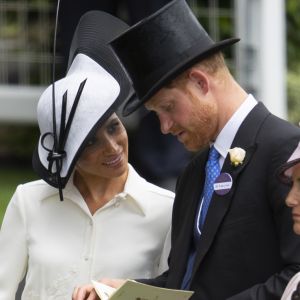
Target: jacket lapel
(185, 235)
(195, 192)
(245, 138)
(191, 186)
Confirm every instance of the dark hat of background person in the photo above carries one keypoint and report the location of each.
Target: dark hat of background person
(84, 100)
(285, 172)
(160, 47)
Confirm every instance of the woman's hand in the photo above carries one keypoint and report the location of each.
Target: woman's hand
(87, 291)
(84, 292)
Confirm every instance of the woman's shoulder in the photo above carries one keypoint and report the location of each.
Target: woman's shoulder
(37, 189)
(27, 198)
(159, 190)
(34, 185)
(137, 182)
(148, 193)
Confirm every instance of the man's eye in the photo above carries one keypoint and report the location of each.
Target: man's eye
(168, 108)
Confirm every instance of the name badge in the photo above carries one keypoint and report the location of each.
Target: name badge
(223, 184)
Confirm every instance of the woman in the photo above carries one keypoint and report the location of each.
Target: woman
(289, 174)
(110, 222)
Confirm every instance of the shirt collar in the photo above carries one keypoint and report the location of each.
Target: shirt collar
(134, 193)
(225, 138)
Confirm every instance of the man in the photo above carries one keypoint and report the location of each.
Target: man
(232, 238)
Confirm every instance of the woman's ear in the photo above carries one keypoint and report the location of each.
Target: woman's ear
(200, 78)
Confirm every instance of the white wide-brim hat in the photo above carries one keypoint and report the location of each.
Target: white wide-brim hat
(94, 87)
(96, 92)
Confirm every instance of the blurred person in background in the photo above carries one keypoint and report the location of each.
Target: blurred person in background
(289, 174)
(110, 221)
(130, 11)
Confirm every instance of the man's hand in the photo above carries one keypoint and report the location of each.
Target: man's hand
(87, 292)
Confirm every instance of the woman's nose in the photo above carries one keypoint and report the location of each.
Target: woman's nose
(292, 197)
(111, 145)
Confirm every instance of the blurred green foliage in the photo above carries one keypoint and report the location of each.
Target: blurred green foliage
(16, 146)
(293, 59)
(17, 142)
(293, 91)
(293, 33)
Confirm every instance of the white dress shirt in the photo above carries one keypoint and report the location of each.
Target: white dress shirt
(225, 137)
(61, 245)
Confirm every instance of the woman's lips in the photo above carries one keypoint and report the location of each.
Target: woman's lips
(114, 161)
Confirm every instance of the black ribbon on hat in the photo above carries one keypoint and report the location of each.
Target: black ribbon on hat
(57, 153)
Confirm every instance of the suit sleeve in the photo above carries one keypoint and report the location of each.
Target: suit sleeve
(159, 281)
(13, 250)
(289, 242)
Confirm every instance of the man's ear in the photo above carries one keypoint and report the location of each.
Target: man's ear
(200, 78)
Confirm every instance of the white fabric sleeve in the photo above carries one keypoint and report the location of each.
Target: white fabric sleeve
(13, 249)
(163, 263)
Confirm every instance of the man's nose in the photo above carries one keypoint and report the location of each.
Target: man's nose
(165, 124)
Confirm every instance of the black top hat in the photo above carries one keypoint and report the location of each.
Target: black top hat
(93, 88)
(160, 47)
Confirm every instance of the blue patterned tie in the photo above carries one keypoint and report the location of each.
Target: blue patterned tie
(212, 171)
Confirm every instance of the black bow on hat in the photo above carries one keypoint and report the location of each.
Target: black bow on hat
(160, 47)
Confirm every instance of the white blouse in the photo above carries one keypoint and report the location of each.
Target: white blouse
(61, 245)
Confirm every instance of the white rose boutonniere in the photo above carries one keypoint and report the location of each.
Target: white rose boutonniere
(237, 156)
